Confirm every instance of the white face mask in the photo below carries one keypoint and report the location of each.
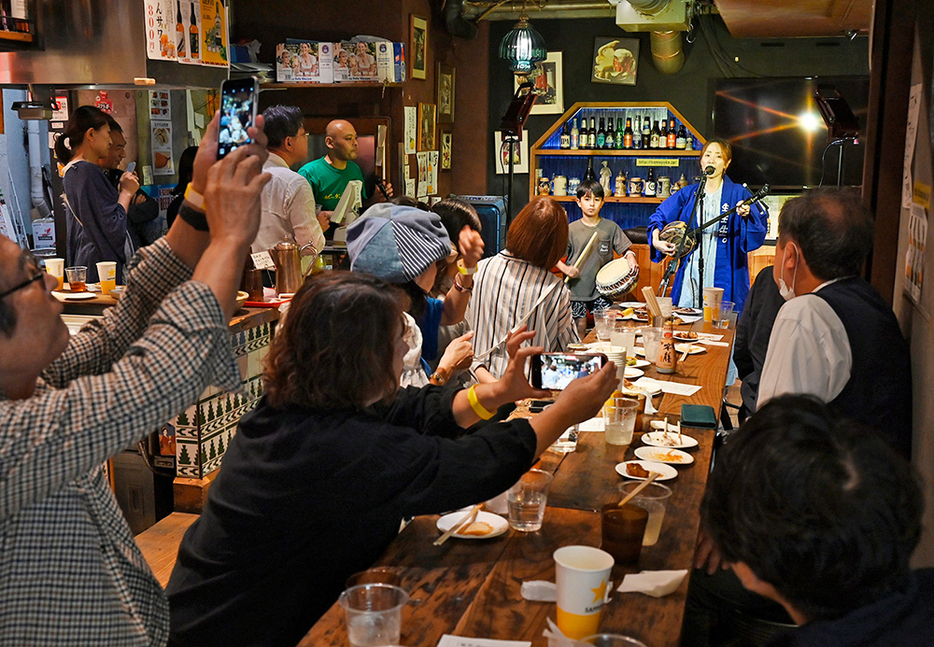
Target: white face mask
(788, 292)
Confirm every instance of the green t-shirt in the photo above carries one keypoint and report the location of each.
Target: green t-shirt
(610, 238)
(328, 183)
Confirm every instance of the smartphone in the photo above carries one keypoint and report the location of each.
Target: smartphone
(131, 167)
(556, 370)
(239, 101)
(537, 406)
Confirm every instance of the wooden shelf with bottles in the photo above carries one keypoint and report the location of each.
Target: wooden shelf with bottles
(348, 85)
(612, 198)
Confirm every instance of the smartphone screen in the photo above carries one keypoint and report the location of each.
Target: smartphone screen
(556, 370)
(239, 98)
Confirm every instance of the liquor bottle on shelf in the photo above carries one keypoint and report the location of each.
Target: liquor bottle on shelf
(627, 134)
(193, 34)
(601, 135)
(181, 38)
(655, 136)
(592, 134)
(663, 135)
(565, 138)
(620, 134)
(672, 134)
(590, 176)
(575, 135)
(646, 132)
(650, 190)
(681, 138)
(610, 141)
(637, 134)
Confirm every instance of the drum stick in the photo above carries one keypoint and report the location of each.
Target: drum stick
(583, 255)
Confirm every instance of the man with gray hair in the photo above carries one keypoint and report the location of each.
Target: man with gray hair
(835, 338)
(288, 200)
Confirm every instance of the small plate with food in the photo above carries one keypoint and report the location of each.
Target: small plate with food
(639, 470)
(664, 455)
(632, 389)
(685, 335)
(671, 439)
(485, 526)
(634, 373)
(690, 312)
(691, 349)
(635, 362)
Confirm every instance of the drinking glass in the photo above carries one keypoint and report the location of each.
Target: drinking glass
(620, 420)
(726, 312)
(567, 442)
(77, 278)
(653, 499)
(603, 322)
(527, 499)
(650, 341)
(374, 614)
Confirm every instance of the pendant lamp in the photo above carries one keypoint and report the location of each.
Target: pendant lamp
(523, 47)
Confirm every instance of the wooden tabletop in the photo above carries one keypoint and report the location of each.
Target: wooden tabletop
(472, 587)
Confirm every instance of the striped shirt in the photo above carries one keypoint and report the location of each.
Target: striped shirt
(70, 571)
(505, 289)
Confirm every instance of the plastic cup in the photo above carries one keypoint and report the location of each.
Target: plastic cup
(77, 278)
(567, 442)
(526, 500)
(726, 313)
(613, 640)
(665, 306)
(653, 499)
(712, 299)
(651, 337)
(581, 576)
(56, 267)
(107, 273)
(619, 420)
(603, 322)
(373, 613)
(623, 532)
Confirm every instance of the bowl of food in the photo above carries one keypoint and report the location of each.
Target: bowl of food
(241, 298)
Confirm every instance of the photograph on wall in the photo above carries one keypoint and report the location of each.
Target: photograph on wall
(520, 154)
(445, 151)
(548, 77)
(426, 126)
(418, 44)
(615, 60)
(445, 80)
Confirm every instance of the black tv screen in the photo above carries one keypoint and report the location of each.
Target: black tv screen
(778, 135)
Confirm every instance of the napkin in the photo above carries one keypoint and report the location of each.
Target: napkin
(447, 640)
(710, 342)
(594, 424)
(654, 583)
(539, 591)
(668, 387)
(556, 638)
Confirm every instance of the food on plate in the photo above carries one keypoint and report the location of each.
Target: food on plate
(477, 529)
(670, 457)
(160, 159)
(631, 361)
(687, 334)
(634, 469)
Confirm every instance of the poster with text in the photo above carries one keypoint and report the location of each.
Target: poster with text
(162, 154)
(433, 159)
(214, 39)
(422, 188)
(160, 29)
(188, 33)
(411, 128)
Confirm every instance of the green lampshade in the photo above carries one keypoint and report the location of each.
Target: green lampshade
(523, 47)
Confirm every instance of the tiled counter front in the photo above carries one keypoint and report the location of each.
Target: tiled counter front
(204, 430)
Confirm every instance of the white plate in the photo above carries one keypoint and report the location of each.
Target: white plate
(633, 373)
(73, 296)
(641, 363)
(499, 524)
(690, 312)
(667, 471)
(664, 455)
(695, 349)
(639, 350)
(657, 439)
(638, 389)
(687, 339)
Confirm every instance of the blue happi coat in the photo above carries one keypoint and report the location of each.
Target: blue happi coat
(736, 237)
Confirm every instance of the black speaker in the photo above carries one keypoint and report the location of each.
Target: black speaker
(492, 212)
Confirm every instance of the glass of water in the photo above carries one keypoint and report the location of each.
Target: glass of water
(619, 419)
(527, 499)
(603, 321)
(374, 614)
(567, 442)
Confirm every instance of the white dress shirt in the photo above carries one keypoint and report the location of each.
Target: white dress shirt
(809, 351)
(288, 209)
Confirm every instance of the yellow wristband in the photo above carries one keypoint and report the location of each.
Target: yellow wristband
(466, 271)
(478, 408)
(194, 198)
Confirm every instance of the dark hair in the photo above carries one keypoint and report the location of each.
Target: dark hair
(281, 122)
(113, 123)
(336, 348)
(78, 124)
(820, 508)
(590, 186)
(455, 215)
(832, 228)
(725, 147)
(186, 169)
(539, 234)
(409, 201)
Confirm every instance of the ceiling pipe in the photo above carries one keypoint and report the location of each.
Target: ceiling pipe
(667, 51)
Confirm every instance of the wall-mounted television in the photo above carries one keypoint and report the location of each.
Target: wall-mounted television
(778, 135)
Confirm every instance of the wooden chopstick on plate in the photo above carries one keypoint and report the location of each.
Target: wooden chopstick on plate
(465, 521)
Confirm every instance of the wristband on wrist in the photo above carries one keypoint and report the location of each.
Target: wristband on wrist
(466, 271)
(193, 217)
(439, 377)
(194, 198)
(478, 408)
(461, 288)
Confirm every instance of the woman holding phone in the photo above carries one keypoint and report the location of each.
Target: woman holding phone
(96, 212)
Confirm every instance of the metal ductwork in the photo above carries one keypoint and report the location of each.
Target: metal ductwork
(456, 23)
(665, 19)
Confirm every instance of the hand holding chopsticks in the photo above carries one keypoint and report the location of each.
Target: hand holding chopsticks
(465, 521)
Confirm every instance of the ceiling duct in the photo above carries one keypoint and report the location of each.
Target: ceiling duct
(665, 19)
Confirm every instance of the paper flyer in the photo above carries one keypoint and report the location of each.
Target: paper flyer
(160, 29)
(188, 33)
(422, 173)
(411, 128)
(914, 260)
(160, 105)
(434, 157)
(214, 37)
(162, 155)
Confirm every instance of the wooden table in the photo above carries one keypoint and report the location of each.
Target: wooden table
(472, 588)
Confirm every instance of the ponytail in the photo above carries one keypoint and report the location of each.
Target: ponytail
(83, 118)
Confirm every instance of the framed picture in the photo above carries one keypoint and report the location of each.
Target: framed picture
(445, 151)
(445, 80)
(615, 60)
(520, 154)
(426, 127)
(548, 77)
(418, 45)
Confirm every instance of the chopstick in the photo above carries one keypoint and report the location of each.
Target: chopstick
(465, 521)
(652, 476)
(651, 302)
(684, 355)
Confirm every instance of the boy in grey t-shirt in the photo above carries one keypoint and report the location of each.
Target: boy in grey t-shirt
(610, 239)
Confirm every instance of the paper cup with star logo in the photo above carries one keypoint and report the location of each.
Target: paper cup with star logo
(582, 575)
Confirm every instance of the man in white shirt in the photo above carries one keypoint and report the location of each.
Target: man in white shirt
(835, 338)
(288, 201)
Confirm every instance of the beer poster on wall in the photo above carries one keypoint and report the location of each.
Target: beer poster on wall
(160, 29)
(214, 40)
(188, 33)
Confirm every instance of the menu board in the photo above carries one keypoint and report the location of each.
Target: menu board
(160, 29)
(195, 34)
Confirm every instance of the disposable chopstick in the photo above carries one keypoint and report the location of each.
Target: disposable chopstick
(583, 254)
(651, 302)
(652, 476)
(465, 521)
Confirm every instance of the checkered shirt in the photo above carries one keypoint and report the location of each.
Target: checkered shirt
(70, 571)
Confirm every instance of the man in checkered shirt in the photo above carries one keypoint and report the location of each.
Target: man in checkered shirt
(70, 571)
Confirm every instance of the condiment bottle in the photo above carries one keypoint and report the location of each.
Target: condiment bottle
(667, 356)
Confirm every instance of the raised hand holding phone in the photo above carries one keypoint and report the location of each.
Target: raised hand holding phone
(239, 105)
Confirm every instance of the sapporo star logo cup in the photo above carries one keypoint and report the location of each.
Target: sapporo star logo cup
(582, 576)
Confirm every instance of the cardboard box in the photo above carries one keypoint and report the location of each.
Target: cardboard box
(355, 62)
(304, 61)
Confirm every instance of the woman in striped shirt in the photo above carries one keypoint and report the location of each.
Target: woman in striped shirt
(516, 286)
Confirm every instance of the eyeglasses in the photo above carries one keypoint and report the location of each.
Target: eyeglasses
(31, 265)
